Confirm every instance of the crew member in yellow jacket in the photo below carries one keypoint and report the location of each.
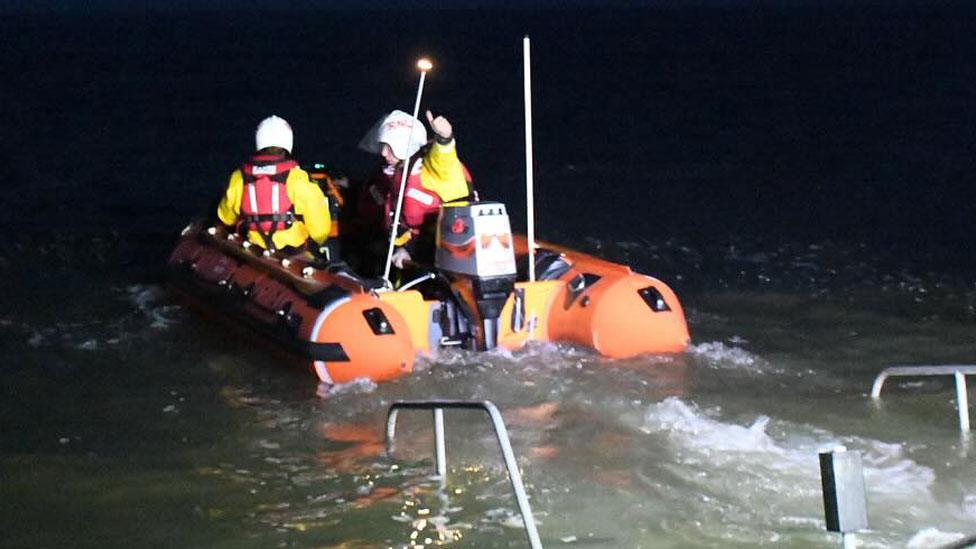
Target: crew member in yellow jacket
(273, 199)
(435, 176)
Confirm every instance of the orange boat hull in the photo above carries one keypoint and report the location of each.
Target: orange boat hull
(346, 331)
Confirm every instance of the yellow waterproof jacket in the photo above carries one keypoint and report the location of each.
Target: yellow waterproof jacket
(443, 173)
(438, 178)
(307, 198)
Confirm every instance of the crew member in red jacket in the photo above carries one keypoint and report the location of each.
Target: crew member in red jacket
(436, 175)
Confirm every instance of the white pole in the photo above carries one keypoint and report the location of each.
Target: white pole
(529, 198)
(962, 401)
(850, 540)
(424, 65)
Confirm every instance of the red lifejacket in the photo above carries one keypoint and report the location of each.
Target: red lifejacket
(265, 206)
(420, 205)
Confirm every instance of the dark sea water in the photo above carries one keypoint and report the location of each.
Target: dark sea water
(801, 177)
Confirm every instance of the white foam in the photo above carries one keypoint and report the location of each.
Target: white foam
(552, 355)
(546, 356)
(693, 429)
(360, 385)
(147, 300)
(932, 537)
(88, 345)
(502, 352)
(782, 465)
(631, 245)
(969, 505)
(144, 296)
(720, 355)
(887, 471)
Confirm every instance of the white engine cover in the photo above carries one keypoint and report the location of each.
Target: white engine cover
(475, 240)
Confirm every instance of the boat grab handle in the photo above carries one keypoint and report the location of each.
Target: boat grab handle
(418, 280)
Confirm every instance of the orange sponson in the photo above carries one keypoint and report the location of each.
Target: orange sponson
(611, 316)
(610, 308)
(416, 312)
(377, 357)
(329, 320)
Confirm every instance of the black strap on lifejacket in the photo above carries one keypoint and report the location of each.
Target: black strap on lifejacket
(253, 221)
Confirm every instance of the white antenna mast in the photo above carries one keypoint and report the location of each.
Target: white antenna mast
(529, 198)
(424, 65)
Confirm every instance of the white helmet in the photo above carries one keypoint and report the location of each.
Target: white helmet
(274, 132)
(402, 132)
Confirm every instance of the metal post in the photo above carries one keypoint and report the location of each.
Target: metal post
(962, 401)
(844, 496)
(440, 450)
(391, 423)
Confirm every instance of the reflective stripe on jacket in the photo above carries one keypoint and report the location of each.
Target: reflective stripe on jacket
(438, 178)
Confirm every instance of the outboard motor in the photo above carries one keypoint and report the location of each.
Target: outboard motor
(475, 250)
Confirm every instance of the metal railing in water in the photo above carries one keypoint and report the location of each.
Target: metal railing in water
(959, 371)
(440, 452)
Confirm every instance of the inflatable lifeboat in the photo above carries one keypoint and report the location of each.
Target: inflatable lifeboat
(476, 295)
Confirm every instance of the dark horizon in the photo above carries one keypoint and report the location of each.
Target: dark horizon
(102, 7)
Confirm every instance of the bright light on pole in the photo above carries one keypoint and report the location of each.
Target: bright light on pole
(424, 65)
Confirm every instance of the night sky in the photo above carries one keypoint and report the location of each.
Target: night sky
(800, 120)
(360, 5)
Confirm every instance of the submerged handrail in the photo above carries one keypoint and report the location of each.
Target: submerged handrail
(959, 371)
(501, 433)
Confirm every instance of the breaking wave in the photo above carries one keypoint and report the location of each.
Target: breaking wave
(741, 468)
(719, 355)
